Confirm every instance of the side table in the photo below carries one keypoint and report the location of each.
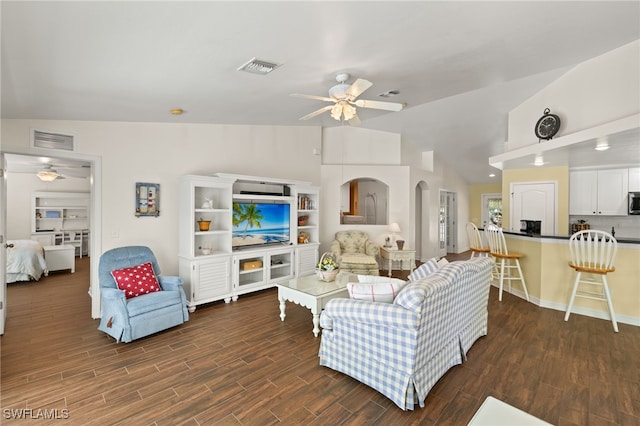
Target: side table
(390, 254)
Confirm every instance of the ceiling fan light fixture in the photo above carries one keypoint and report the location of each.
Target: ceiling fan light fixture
(348, 111)
(336, 111)
(47, 175)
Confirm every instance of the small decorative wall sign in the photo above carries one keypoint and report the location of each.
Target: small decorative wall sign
(147, 199)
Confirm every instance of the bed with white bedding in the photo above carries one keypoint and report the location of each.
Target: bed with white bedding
(25, 260)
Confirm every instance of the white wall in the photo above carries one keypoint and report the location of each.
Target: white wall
(20, 187)
(356, 145)
(396, 177)
(598, 91)
(160, 153)
(401, 166)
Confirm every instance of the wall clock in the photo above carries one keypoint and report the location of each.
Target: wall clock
(547, 126)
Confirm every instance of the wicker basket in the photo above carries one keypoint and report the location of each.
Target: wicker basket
(327, 276)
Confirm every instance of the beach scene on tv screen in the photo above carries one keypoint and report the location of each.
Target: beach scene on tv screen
(259, 223)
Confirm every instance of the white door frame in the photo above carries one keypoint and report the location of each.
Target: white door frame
(3, 248)
(95, 220)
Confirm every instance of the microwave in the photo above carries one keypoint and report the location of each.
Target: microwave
(634, 203)
(530, 226)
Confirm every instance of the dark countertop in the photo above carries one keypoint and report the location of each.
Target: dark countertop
(626, 240)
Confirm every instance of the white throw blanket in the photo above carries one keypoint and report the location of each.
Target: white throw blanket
(25, 260)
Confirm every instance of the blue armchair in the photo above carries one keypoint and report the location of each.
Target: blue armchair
(129, 319)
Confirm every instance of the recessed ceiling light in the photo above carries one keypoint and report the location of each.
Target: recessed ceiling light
(258, 66)
(177, 111)
(492, 175)
(539, 161)
(602, 144)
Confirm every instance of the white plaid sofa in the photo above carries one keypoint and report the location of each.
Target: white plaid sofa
(403, 349)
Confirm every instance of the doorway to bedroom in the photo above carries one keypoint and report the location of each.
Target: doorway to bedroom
(77, 174)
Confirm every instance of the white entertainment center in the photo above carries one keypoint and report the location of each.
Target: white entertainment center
(213, 265)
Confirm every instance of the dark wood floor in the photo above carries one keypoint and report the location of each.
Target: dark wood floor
(238, 364)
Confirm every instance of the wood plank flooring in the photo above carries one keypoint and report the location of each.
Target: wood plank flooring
(238, 364)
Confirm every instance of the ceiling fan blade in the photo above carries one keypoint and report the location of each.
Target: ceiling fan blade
(318, 98)
(387, 106)
(316, 112)
(358, 87)
(75, 172)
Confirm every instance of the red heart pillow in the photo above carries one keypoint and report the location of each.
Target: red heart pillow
(137, 280)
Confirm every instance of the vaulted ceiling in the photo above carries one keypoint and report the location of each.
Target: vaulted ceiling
(459, 66)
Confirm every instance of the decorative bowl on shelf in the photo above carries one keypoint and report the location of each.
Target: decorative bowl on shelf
(303, 220)
(204, 225)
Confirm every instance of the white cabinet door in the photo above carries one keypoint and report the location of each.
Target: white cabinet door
(599, 192)
(613, 189)
(213, 279)
(206, 280)
(583, 192)
(306, 259)
(634, 179)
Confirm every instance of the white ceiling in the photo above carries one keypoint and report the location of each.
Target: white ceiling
(459, 66)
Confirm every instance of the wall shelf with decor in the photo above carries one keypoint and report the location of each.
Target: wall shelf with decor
(239, 234)
(61, 218)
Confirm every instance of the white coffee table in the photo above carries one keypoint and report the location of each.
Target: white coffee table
(310, 292)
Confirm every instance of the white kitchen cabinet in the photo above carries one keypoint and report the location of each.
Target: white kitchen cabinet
(634, 179)
(598, 192)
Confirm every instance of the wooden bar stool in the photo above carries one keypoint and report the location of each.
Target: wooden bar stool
(592, 252)
(508, 261)
(475, 242)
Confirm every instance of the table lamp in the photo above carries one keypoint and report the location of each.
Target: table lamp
(394, 228)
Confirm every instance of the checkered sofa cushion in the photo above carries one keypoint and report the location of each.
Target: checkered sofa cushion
(403, 352)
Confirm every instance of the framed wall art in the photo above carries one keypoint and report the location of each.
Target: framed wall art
(147, 199)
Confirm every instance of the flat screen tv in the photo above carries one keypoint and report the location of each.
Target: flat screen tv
(259, 223)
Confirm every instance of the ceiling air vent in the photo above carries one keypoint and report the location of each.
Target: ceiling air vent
(50, 140)
(258, 66)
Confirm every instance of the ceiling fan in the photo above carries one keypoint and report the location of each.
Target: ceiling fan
(48, 174)
(344, 100)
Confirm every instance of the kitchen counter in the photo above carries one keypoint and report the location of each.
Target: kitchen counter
(619, 239)
(550, 279)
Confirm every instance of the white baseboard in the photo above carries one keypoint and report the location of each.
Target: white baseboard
(625, 319)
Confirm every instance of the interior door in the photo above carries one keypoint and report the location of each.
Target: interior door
(3, 248)
(442, 225)
(492, 209)
(534, 201)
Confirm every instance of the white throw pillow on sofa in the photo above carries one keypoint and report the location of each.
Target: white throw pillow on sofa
(375, 289)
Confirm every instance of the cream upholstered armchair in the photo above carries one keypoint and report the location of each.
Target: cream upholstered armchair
(355, 253)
